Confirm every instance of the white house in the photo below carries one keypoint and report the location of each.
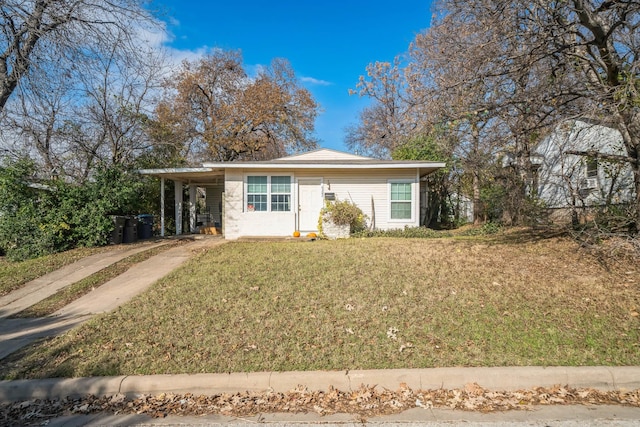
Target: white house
(580, 165)
(278, 197)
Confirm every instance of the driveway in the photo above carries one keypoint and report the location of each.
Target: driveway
(17, 333)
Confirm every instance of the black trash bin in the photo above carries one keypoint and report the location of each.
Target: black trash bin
(145, 226)
(130, 234)
(118, 229)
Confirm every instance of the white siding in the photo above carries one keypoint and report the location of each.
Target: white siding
(561, 174)
(233, 192)
(214, 203)
(369, 189)
(239, 223)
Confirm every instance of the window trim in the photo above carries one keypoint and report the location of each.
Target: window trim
(269, 193)
(413, 199)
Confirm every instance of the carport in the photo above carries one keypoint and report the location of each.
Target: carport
(192, 178)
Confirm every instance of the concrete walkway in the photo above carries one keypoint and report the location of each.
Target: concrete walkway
(543, 416)
(47, 285)
(17, 333)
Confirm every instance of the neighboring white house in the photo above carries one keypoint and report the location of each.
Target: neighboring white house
(576, 167)
(278, 197)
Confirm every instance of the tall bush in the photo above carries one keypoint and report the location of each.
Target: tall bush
(37, 218)
(23, 206)
(112, 191)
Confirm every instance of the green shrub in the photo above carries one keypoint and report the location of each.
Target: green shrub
(483, 230)
(23, 233)
(406, 232)
(39, 218)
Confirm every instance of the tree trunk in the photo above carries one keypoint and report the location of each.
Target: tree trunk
(636, 181)
(476, 198)
(631, 138)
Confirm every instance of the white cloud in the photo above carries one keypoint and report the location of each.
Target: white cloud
(254, 70)
(159, 38)
(177, 56)
(314, 81)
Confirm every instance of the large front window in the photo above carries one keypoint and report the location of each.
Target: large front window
(401, 200)
(268, 193)
(256, 193)
(280, 193)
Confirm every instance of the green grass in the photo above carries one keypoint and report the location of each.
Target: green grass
(72, 292)
(15, 274)
(361, 304)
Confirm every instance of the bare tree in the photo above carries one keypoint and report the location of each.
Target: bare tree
(97, 113)
(36, 34)
(119, 100)
(390, 121)
(33, 123)
(521, 67)
(437, 88)
(587, 49)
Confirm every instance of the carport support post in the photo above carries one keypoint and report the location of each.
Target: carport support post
(178, 206)
(162, 206)
(192, 208)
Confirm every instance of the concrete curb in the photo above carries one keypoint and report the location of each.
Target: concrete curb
(502, 378)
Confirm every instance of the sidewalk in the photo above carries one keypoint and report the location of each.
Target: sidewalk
(498, 379)
(547, 416)
(17, 333)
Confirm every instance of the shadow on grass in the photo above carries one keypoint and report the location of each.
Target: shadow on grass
(528, 235)
(19, 363)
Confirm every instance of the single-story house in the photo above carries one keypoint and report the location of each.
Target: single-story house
(581, 164)
(277, 197)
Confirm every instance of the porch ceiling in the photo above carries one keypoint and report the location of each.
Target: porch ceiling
(202, 175)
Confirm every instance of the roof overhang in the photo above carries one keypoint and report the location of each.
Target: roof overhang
(210, 171)
(424, 167)
(191, 175)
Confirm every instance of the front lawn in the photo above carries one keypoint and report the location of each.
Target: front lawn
(359, 304)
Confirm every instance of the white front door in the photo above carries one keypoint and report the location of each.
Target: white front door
(309, 203)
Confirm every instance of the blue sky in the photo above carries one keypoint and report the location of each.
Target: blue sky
(329, 44)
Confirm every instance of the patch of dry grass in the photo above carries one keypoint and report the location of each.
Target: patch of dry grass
(362, 304)
(15, 274)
